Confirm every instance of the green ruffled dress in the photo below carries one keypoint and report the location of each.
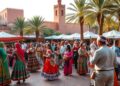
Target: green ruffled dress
(19, 70)
(4, 70)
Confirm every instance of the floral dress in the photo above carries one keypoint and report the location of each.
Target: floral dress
(33, 64)
(82, 68)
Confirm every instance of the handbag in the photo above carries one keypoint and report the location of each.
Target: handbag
(93, 75)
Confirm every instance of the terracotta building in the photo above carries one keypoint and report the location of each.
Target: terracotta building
(9, 15)
(59, 24)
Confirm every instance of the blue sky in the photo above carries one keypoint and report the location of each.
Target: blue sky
(34, 7)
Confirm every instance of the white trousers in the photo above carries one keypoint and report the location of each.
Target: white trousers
(104, 78)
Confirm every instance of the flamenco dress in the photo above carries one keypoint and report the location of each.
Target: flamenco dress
(50, 70)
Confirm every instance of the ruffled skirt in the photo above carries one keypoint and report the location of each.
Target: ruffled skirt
(50, 72)
(33, 64)
(4, 75)
(19, 71)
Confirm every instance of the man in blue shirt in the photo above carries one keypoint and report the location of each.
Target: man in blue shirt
(116, 49)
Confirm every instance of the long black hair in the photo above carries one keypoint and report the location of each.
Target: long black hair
(68, 48)
(49, 46)
(56, 48)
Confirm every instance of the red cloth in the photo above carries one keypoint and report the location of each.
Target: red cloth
(68, 63)
(19, 51)
(68, 68)
(48, 68)
(75, 48)
(115, 80)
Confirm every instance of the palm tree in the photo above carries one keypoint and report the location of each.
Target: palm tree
(99, 8)
(28, 31)
(116, 9)
(36, 24)
(110, 23)
(90, 20)
(19, 25)
(78, 14)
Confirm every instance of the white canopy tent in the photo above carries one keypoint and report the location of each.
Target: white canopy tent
(6, 35)
(67, 37)
(89, 35)
(51, 37)
(72, 36)
(30, 36)
(112, 34)
(75, 36)
(61, 36)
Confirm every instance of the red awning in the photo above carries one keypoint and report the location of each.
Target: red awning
(12, 39)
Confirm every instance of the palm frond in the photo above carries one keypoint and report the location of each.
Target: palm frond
(19, 23)
(77, 9)
(28, 31)
(36, 22)
(37, 25)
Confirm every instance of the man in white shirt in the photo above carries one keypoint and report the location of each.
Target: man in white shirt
(62, 48)
(104, 61)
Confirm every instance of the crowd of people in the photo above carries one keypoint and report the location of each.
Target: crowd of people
(99, 58)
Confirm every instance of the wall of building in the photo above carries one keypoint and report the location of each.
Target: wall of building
(14, 14)
(4, 28)
(51, 25)
(3, 15)
(10, 15)
(72, 28)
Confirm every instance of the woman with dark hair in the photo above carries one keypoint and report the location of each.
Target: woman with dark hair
(75, 53)
(56, 55)
(39, 51)
(19, 70)
(50, 69)
(82, 67)
(33, 64)
(4, 70)
(68, 61)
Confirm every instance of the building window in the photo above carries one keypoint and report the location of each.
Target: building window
(62, 13)
(56, 13)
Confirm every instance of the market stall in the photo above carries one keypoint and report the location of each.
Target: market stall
(6, 37)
